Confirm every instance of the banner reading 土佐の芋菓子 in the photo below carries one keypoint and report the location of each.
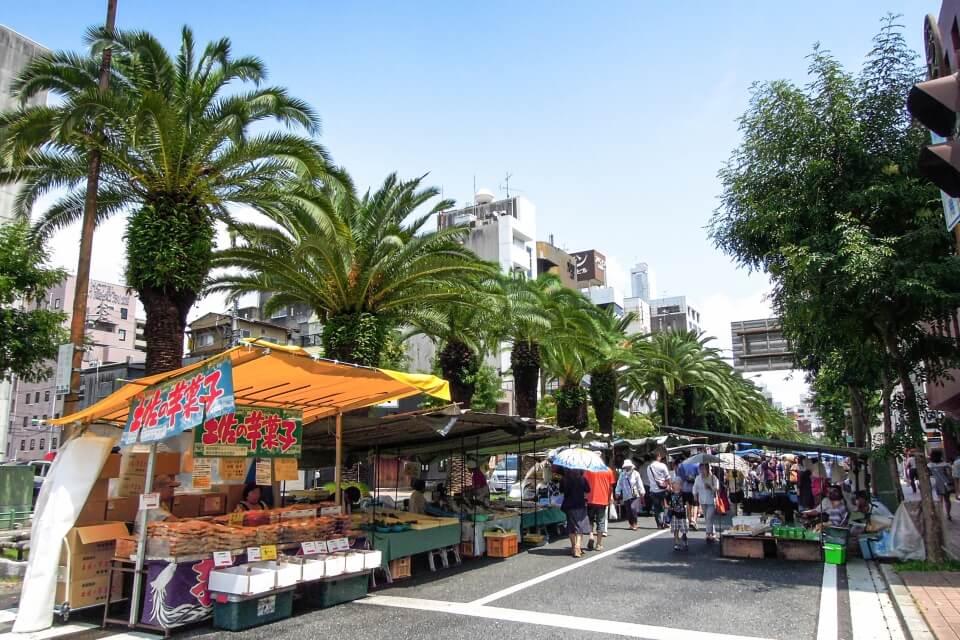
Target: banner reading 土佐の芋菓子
(260, 432)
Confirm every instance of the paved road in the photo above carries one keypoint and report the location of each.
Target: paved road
(639, 587)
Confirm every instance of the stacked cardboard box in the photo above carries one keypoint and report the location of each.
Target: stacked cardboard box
(94, 509)
(85, 564)
(133, 471)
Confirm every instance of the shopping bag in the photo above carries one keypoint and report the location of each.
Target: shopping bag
(612, 514)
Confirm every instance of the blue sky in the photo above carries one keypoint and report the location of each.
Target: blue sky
(613, 117)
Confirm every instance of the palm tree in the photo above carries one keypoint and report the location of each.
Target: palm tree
(615, 354)
(465, 331)
(356, 262)
(177, 151)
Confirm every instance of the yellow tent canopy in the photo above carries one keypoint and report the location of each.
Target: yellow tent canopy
(270, 375)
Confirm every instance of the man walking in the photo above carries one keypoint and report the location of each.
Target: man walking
(658, 476)
(598, 501)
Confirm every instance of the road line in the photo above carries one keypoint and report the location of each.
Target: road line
(52, 632)
(827, 620)
(628, 629)
(570, 567)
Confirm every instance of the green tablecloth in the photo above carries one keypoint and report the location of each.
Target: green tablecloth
(542, 517)
(408, 543)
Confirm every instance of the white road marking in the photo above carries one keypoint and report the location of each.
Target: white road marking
(628, 629)
(53, 632)
(827, 621)
(871, 613)
(7, 615)
(570, 567)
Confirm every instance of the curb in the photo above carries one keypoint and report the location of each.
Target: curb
(914, 626)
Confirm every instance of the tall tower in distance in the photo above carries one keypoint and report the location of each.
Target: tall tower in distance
(643, 282)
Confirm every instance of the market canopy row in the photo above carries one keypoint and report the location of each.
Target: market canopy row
(769, 443)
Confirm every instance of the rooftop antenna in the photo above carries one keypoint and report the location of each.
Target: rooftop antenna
(506, 185)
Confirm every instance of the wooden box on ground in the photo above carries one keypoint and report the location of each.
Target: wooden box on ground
(122, 509)
(400, 568)
(804, 550)
(756, 547)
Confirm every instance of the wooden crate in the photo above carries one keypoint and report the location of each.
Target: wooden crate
(400, 568)
(502, 546)
(743, 546)
(804, 550)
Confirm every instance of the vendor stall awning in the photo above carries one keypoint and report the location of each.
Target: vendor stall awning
(770, 443)
(270, 375)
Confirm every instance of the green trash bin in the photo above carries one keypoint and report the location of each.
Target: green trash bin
(236, 613)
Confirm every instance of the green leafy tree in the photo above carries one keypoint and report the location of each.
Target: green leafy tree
(177, 150)
(614, 354)
(825, 196)
(30, 334)
(365, 265)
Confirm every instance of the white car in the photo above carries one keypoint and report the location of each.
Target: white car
(504, 474)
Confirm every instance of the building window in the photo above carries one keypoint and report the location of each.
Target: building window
(123, 313)
(33, 444)
(46, 395)
(53, 443)
(36, 397)
(42, 443)
(26, 421)
(23, 445)
(28, 398)
(245, 333)
(122, 333)
(444, 465)
(263, 331)
(205, 340)
(56, 303)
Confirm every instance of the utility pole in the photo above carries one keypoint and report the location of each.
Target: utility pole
(78, 321)
(235, 323)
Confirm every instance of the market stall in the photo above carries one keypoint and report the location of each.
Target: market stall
(238, 415)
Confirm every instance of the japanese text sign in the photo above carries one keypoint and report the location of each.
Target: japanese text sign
(259, 432)
(180, 404)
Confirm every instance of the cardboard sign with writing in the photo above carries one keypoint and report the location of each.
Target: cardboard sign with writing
(253, 554)
(294, 514)
(236, 519)
(322, 546)
(149, 501)
(202, 473)
(268, 552)
(285, 469)
(233, 469)
(222, 559)
(265, 472)
(253, 432)
(338, 544)
(309, 548)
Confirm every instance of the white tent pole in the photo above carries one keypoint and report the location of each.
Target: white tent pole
(141, 542)
(338, 471)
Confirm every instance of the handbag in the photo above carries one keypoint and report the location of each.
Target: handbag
(721, 503)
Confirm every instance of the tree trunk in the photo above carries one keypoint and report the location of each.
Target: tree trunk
(525, 363)
(603, 396)
(689, 408)
(571, 405)
(858, 412)
(459, 365)
(166, 320)
(930, 519)
(888, 431)
(357, 338)
(666, 409)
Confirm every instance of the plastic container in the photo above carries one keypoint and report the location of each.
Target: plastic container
(503, 546)
(353, 562)
(236, 613)
(287, 573)
(242, 580)
(334, 565)
(834, 553)
(330, 593)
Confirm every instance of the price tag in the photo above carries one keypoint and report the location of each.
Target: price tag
(331, 511)
(309, 548)
(253, 554)
(222, 559)
(236, 519)
(339, 544)
(149, 501)
(322, 546)
(268, 552)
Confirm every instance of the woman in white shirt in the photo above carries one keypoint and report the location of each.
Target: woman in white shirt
(705, 490)
(629, 490)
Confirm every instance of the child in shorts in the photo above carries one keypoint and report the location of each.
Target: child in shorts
(677, 508)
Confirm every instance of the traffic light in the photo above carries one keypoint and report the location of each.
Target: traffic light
(935, 103)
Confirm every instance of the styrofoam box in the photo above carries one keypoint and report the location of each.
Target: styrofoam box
(312, 569)
(372, 559)
(334, 565)
(287, 574)
(242, 580)
(353, 562)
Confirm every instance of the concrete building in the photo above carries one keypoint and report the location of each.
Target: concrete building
(551, 259)
(606, 298)
(591, 268)
(15, 52)
(641, 311)
(212, 333)
(643, 282)
(759, 345)
(673, 314)
(501, 231)
(111, 337)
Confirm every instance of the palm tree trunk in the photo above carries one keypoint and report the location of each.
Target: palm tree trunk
(166, 320)
(459, 365)
(571, 405)
(689, 408)
(357, 338)
(525, 363)
(603, 396)
(929, 516)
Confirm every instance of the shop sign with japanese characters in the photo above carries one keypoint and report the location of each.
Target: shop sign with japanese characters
(180, 404)
(258, 432)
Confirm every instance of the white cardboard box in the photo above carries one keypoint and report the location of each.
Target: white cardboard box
(312, 569)
(353, 562)
(334, 565)
(287, 574)
(242, 580)
(371, 559)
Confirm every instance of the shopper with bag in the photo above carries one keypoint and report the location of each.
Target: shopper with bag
(659, 480)
(943, 480)
(629, 491)
(705, 489)
(598, 502)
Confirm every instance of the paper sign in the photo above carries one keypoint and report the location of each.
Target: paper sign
(285, 469)
(254, 432)
(186, 462)
(309, 548)
(268, 552)
(338, 544)
(253, 554)
(266, 606)
(202, 473)
(236, 519)
(265, 472)
(149, 501)
(222, 559)
(233, 469)
(321, 546)
(331, 511)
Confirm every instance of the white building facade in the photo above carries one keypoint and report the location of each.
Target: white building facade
(643, 282)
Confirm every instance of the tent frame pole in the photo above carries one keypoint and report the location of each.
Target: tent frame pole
(141, 542)
(338, 470)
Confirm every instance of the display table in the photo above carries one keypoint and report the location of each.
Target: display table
(542, 517)
(796, 549)
(473, 531)
(409, 543)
